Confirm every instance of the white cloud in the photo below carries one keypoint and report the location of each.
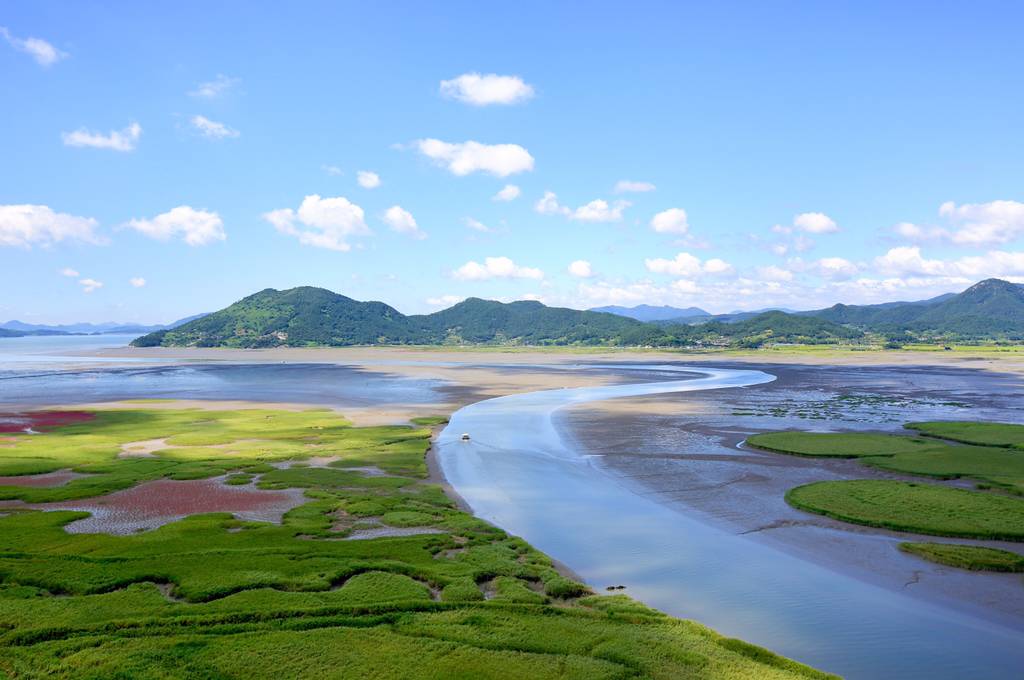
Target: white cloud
(982, 224)
(774, 273)
(402, 221)
(495, 268)
(212, 129)
(214, 88)
(477, 225)
(815, 223)
(465, 158)
(137, 281)
(43, 52)
(330, 222)
(685, 286)
(836, 268)
(445, 300)
(717, 266)
(624, 186)
(671, 221)
(89, 285)
(509, 192)
(195, 227)
(484, 90)
(605, 293)
(918, 233)
(27, 225)
(581, 269)
(548, 205)
(367, 179)
(599, 211)
(908, 260)
(332, 170)
(69, 272)
(117, 140)
(686, 265)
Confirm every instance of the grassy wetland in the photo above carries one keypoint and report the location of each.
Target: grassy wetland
(372, 572)
(988, 453)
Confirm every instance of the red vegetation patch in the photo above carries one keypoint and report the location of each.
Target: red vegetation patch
(153, 504)
(48, 479)
(41, 420)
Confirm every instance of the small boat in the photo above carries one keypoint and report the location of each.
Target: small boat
(465, 436)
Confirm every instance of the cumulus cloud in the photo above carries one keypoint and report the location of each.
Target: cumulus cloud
(774, 273)
(402, 221)
(212, 89)
(600, 211)
(328, 222)
(43, 52)
(581, 269)
(117, 140)
(717, 266)
(212, 129)
(495, 268)
(27, 225)
(815, 223)
(464, 158)
(367, 179)
(908, 260)
(597, 210)
(624, 186)
(836, 268)
(548, 205)
(686, 265)
(194, 227)
(485, 90)
(69, 272)
(89, 285)
(445, 300)
(332, 170)
(671, 221)
(509, 192)
(137, 281)
(983, 224)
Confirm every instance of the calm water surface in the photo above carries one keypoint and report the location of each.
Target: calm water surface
(517, 472)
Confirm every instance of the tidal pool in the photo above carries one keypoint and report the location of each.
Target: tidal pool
(517, 472)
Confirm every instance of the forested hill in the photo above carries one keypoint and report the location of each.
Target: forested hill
(306, 316)
(989, 309)
(313, 316)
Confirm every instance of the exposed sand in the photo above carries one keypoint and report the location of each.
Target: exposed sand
(982, 358)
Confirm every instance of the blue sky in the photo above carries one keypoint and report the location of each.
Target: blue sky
(733, 156)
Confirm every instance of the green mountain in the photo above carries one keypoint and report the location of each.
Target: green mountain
(314, 316)
(306, 316)
(990, 309)
(767, 327)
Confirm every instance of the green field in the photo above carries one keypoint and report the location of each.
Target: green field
(919, 508)
(838, 444)
(969, 432)
(975, 558)
(993, 465)
(212, 596)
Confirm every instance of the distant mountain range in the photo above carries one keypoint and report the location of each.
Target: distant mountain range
(306, 316)
(688, 315)
(16, 328)
(651, 313)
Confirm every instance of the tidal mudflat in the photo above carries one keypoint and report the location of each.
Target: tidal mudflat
(702, 541)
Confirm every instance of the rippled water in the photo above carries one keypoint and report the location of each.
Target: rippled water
(517, 472)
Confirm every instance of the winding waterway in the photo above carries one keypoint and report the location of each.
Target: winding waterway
(517, 472)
